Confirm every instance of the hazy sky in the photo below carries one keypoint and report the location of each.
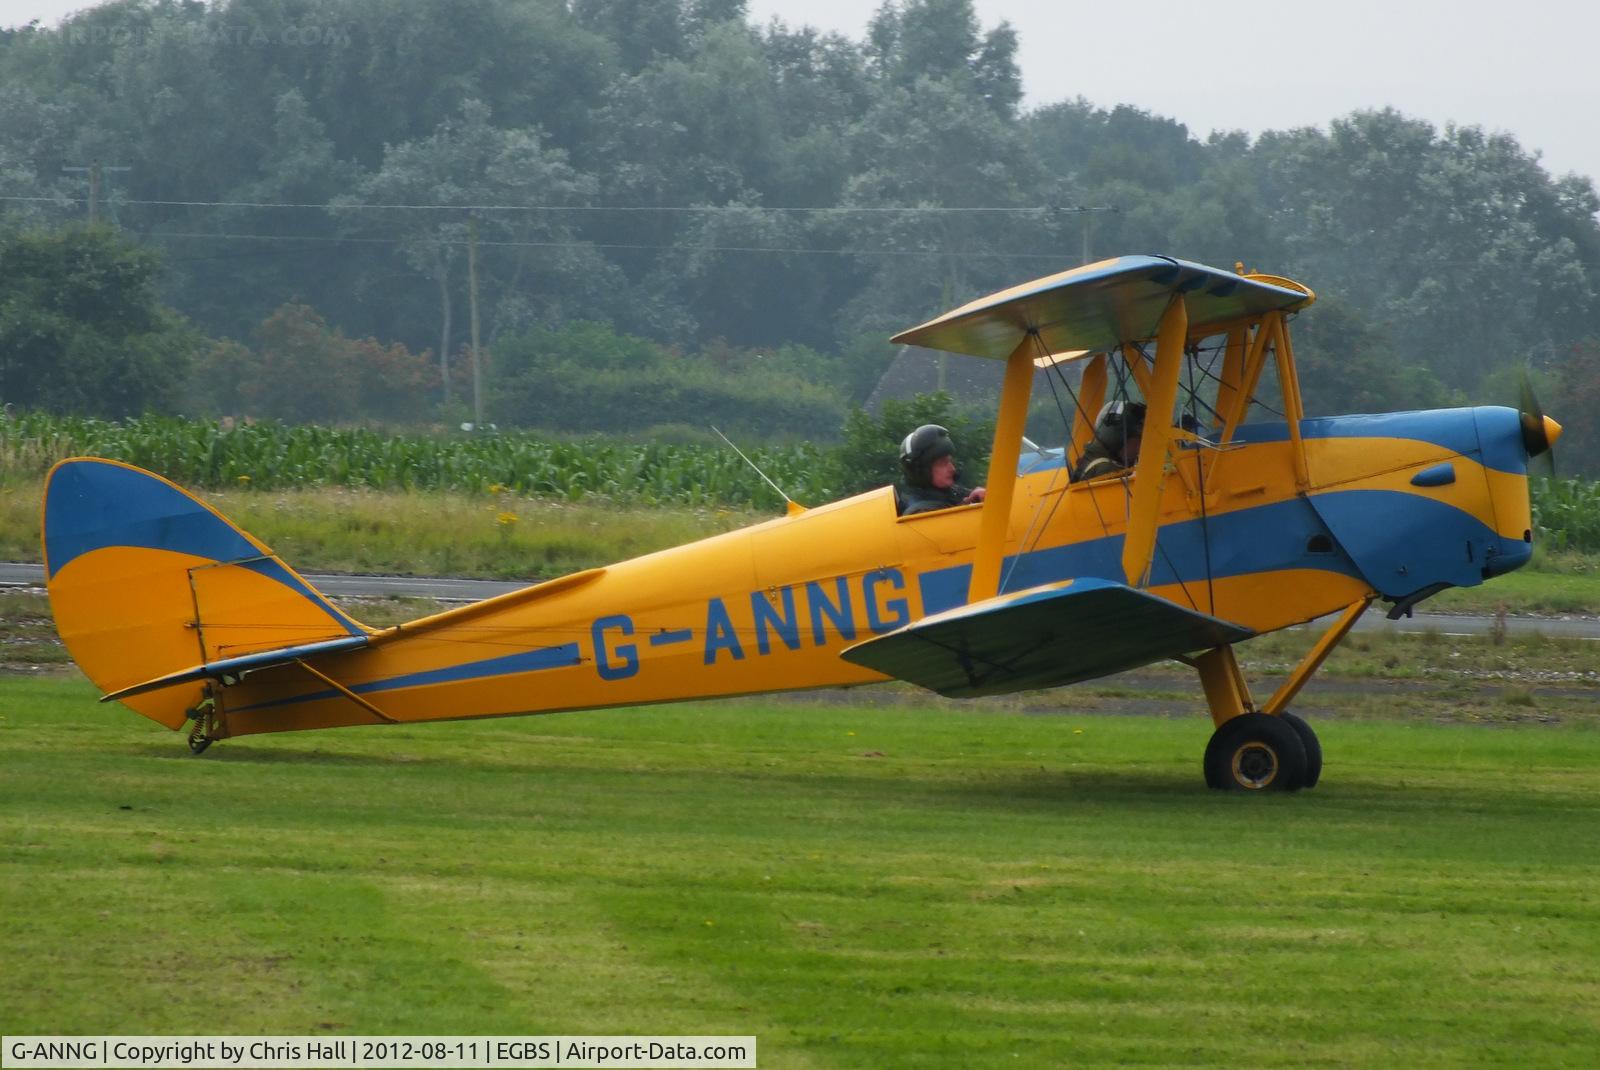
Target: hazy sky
(1528, 68)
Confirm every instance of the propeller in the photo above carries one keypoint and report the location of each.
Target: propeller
(1539, 432)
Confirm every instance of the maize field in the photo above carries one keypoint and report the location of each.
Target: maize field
(267, 456)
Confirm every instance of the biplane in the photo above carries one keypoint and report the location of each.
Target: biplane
(1240, 516)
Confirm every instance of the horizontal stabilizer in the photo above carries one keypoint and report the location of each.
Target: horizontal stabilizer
(234, 667)
(1047, 636)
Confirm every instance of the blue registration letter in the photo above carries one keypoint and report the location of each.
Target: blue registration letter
(840, 612)
(627, 654)
(787, 627)
(897, 606)
(719, 633)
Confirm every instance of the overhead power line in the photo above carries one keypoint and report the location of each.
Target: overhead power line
(156, 234)
(681, 208)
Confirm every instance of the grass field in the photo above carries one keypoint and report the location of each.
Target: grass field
(859, 886)
(435, 533)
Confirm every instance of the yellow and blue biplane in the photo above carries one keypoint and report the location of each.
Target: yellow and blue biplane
(1240, 516)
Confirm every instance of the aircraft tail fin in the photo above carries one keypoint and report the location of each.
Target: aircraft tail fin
(145, 579)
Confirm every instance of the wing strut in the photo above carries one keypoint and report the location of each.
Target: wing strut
(995, 519)
(1144, 513)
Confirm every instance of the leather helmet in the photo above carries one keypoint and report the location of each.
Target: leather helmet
(920, 449)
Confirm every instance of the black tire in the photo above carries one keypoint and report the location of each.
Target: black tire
(1313, 745)
(1255, 752)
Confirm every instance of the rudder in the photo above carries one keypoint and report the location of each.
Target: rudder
(146, 579)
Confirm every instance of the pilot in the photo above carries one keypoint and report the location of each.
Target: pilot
(1117, 434)
(928, 460)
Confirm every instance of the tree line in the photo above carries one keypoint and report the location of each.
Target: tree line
(716, 191)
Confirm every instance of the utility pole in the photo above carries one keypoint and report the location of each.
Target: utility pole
(96, 172)
(1087, 212)
(472, 301)
(1088, 226)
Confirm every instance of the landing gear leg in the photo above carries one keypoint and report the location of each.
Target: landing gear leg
(1270, 748)
(1249, 751)
(206, 723)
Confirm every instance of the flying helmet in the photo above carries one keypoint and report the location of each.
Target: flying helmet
(1118, 420)
(920, 449)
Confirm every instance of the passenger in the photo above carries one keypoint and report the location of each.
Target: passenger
(1117, 435)
(928, 460)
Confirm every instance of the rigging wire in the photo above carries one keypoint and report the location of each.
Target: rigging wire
(1255, 399)
(1077, 406)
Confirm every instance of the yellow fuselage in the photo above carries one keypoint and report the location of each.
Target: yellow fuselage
(769, 608)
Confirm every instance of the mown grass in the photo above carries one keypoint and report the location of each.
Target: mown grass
(859, 887)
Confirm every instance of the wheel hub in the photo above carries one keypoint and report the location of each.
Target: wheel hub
(1255, 765)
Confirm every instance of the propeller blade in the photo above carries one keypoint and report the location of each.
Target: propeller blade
(1539, 432)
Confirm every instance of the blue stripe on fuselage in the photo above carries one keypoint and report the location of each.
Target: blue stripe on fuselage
(1266, 538)
(550, 657)
(1396, 541)
(1404, 542)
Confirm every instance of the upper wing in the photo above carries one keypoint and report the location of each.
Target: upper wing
(1102, 305)
(1046, 636)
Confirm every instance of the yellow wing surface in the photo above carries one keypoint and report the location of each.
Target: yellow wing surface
(1104, 305)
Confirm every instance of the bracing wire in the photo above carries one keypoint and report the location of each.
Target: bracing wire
(1200, 479)
(1077, 406)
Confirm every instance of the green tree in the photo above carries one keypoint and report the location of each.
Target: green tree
(869, 455)
(304, 371)
(465, 164)
(1457, 244)
(1577, 407)
(589, 377)
(941, 40)
(935, 149)
(81, 329)
(1347, 365)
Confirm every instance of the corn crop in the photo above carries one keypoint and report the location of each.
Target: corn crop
(1566, 513)
(266, 456)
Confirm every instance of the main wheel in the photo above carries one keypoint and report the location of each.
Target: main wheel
(1255, 752)
(1313, 746)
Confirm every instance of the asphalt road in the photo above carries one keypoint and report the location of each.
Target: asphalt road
(13, 574)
